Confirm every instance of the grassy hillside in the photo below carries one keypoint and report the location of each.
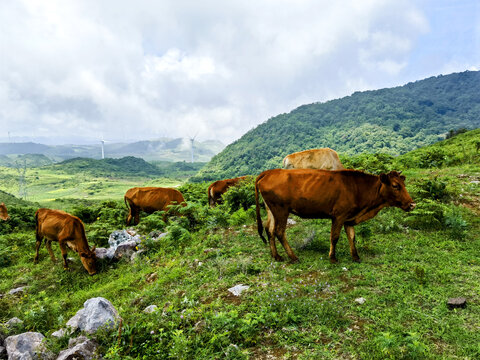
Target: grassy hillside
(391, 121)
(412, 263)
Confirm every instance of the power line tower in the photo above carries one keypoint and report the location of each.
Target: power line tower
(22, 184)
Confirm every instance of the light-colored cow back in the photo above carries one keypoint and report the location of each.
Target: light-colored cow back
(324, 158)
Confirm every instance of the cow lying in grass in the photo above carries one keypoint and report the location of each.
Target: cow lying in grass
(347, 197)
(323, 158)
(68, 230)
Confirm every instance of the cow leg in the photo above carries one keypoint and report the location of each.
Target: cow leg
(136, 217)
(350, 230)
(129, 216)
(270, 230)
(48, 244)
(38, 243)
(63, 249)
(280, 230)
(334, 235)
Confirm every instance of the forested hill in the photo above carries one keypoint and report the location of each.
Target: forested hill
(392, 121)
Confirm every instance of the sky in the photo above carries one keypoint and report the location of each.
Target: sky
(77, 71)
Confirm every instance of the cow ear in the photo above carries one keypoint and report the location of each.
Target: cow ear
(384, 179)
(402, 177)
(93, 248)
(83, 255)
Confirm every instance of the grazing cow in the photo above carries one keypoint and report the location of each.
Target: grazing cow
(324, 158)
(68, 230)
(150, 199)
(3, 212)
(347, 197)
(218, 188)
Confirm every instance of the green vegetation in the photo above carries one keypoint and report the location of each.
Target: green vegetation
(412, 263)
(391, 121)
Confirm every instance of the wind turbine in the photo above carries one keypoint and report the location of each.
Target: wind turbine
(192, 139)
(103, 141)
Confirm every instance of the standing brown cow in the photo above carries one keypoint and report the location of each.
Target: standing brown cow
(3, 212)
(68, 230)
(348, 197)
(324, 158)
(150, 199)
(218, 188)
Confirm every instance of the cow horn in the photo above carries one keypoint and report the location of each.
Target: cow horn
(93, 248)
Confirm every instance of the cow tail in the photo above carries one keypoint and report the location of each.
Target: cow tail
(259, 218)
(36, 223)
(210, 196)
(126, 203)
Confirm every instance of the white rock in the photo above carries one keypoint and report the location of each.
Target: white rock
(29, 345)
(97, 313)
(13, 322)
(150, 309)
(104, 253)
(86, 350)
(238, 289)
(291, 222)
(60, 333)
(18, 290)
(360, 300)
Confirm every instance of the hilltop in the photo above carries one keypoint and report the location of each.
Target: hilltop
(392, 121)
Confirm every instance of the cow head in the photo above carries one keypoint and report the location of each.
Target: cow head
(3, 212)
(394, 192)
(88, 260)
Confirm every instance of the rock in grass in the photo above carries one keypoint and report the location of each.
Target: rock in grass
(85, 350)
(150, 309)
(238, 289)
(455, 303)
(360, 300)
(97, 313)
(29, 345)
(18, 291)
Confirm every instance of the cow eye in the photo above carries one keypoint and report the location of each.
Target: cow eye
(396, 186)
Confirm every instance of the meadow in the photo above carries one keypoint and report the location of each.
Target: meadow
(412, 263)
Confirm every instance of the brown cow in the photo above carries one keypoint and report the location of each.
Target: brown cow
(150, 199)
(218, 188)
(348, 197)
(324, 158)
(68, 230)
(3, 212)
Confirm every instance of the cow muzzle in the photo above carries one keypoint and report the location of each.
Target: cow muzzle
(410, 206)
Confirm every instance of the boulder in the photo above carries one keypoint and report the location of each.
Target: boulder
(125, 249)
(121, 236)
(60, 333)
(457, 303)
(13, 323)
(29, 345)
(104, 253)
(150, 309)
(97, 313)
(82, 349)
(18, 291)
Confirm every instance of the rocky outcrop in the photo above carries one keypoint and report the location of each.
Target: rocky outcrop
(97, 313)
(29, 345)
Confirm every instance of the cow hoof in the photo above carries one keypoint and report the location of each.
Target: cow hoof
(357, 260)
(333, 261)
(294, 261)
(278, 258)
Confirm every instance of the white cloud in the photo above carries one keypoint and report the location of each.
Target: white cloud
(147, 69)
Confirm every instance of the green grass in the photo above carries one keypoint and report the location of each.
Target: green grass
(409, 269)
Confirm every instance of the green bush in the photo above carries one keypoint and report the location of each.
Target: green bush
(433, 157)
(240, 196)
(434, 189)
(21, 218)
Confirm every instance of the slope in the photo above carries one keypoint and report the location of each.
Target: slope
(392, 121)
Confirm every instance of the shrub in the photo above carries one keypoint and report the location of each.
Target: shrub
(239, 196)
(433, 189)
(432, 158)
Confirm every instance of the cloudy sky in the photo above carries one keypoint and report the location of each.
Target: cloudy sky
(72, 71)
